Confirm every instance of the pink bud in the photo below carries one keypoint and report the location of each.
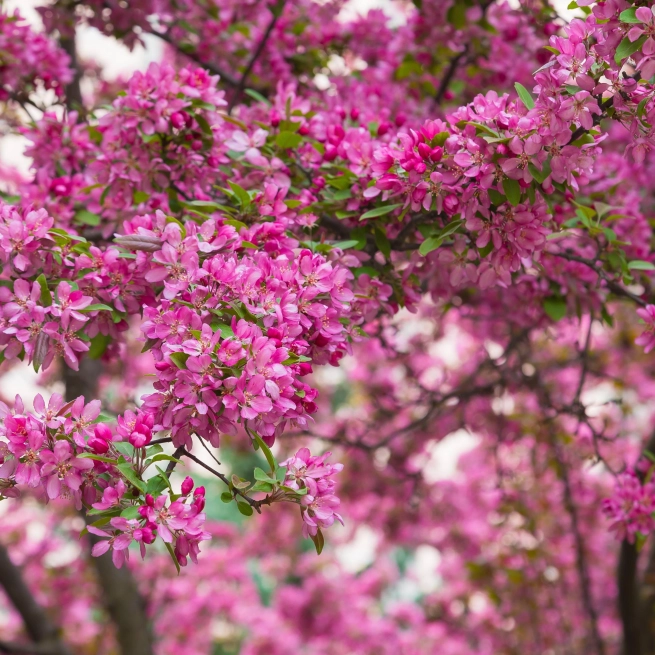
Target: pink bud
(384, 127)
(150, 501)
(330, 153)
(98, 446)
(303, 130)
(102, 431)
(275, 117)
(187, 485)
(354, 113)
(424, 150)
(436, 154)
(177, 120)
(200, 491)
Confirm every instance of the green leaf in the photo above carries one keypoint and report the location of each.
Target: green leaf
(430, 244)
(524, 94)
(266, 487)
(456, 15)
(97, 308)
(226, 497)
(46, 296)
(151, 451)
(98, 346)
(99, 458)
(319, 541)
(163, 457)
(451, 228)
(627, 47)
(629, 16)
(288, 140)
(256, 95)
(261, 475)
(245, 508)
(249, 244)
(170, 550)
(640, 265)
(512, 190)
(87, 218)
(140, 197)
(179, 359)
(240, 193)
(131, 512)
(266, 450)
(382, 242)
(204, 125)
(555, 307)
(126, 469)
(344, 245)
(379, 211)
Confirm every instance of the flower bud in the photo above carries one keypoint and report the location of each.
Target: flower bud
(187, 485)
(177, 120)
(150, 501)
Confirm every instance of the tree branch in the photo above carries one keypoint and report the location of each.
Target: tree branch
(37, 623)
(277, 11)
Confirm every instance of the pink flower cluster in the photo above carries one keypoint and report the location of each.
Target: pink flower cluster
(60, 451)
(29, 59)
(154, 137)
(647, 337)
(233, 333)
(312, 475)
(40, 450)
(177, 522)
(632, 507)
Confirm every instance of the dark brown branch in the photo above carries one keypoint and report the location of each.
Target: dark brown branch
(124, 605)
(612, 285)
(448, 77)
(580, 555)
(38, 625)
(226, 77)
(260, 48)
(255, 504)
(73, 89)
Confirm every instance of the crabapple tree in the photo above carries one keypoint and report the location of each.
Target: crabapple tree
(372, 283)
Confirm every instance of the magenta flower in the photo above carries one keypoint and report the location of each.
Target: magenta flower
(59, 466)
(647, 338)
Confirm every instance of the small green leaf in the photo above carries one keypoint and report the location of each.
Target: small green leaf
(171, 552)
(140, 197)
(555, 307)
(512, 190)
(379, 211)
(46, 296)
(99, 458)
(640, 265)
(204, 125)
(627, 48)
(288, 140)
(163, 457)
(256, 95)
(226, 497)
(319, 541)
(629, 16)
(87, 218)
(524, 94)
(382, 242)
(97, 308)
(98, 345)
(131, 512)
(266, 450)
(126, 469)
(430, 244)
(240, 193)
(245, 508)
(456, 15)
(344, 245)
(179, 359)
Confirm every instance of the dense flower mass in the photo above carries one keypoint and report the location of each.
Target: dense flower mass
(423, 242)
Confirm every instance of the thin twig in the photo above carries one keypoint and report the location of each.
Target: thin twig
(260, 48)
